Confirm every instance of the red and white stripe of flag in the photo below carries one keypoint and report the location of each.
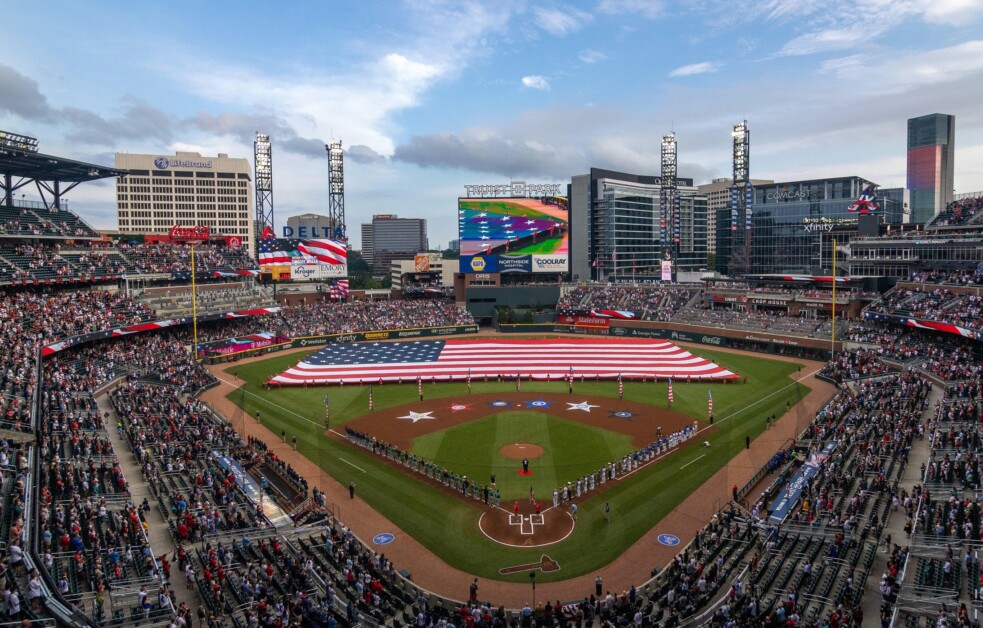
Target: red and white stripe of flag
(325, 251)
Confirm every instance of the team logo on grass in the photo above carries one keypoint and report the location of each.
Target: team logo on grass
(545, 564)
(500, 404)
(540, 403)
(458, 407)
(622, 414)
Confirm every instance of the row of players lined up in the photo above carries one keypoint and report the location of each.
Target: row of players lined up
(490, 494)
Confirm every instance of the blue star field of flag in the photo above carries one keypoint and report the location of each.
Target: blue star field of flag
(378, 353)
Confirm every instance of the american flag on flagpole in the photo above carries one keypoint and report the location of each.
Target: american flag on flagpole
(709, 402)
(339, 289)
(541, 359)
(670, 391)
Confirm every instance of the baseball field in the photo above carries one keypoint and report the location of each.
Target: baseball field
(475, 434)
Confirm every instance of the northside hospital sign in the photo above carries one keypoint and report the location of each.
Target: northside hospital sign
(514, 189)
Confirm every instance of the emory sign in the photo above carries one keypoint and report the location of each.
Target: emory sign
(513, 189)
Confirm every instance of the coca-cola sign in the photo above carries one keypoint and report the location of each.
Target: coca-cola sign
(183, 234)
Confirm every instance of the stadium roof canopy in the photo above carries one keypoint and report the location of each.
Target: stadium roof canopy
(56, 175)
(23, 164)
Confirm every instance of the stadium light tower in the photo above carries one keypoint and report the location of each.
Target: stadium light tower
(263, 164)
(336, 179)
(741, 199)
(669, 200)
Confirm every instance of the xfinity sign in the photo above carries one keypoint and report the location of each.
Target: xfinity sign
(818, 227)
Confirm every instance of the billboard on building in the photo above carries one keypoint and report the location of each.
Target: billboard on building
(514, 235)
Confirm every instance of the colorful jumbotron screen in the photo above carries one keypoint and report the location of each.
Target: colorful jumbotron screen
(514, 235)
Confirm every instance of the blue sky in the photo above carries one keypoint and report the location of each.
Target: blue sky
(428, 96)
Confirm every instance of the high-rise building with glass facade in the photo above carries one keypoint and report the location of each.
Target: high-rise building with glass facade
(794, 224)
(931, 164)
(614, 225)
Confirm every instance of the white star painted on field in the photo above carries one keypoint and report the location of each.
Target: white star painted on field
(418, 416)
(583, 405)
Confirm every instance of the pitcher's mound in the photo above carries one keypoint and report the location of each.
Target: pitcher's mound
(518, 451)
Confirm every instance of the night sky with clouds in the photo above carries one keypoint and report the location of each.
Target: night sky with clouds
(430, 95)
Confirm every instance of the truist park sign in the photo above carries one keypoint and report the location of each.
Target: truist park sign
(515, 189)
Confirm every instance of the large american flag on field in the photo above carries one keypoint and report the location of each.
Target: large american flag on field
(634, 358)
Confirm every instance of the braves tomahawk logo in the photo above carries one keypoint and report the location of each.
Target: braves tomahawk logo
(545, 564)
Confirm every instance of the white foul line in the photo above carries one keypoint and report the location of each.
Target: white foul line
(691, 462)
(354, 465)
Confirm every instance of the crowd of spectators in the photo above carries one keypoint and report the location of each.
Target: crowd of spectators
(959, 212)
(176, 258)
(322, 317)
(761, 320)
(958, 277)
(848, 365)
(937, 304)
(657, 303)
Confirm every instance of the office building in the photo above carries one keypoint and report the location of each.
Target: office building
(931, 164)
(794, 224)
(389, 237)
(718, 197)
(615, 226)
(185, 189)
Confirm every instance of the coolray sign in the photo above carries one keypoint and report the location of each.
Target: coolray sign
(163, 163)
(549, 263)
(514, 189)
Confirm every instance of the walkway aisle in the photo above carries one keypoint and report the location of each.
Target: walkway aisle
(160, 539)
(921, 451)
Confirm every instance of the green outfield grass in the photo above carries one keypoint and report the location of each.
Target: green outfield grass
(433, 517)
(571, 451)
(544, 246)
(504, 207)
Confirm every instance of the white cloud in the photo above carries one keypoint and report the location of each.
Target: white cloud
(560, 20)
(696, 68)
(535, 81)
(590, 56)
(900, 73)
(360, 103)
(646, 8)
(951, 12)
(831, 39)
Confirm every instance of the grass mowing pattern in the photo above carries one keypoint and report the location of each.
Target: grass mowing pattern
(432, 517)
(571, 450)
